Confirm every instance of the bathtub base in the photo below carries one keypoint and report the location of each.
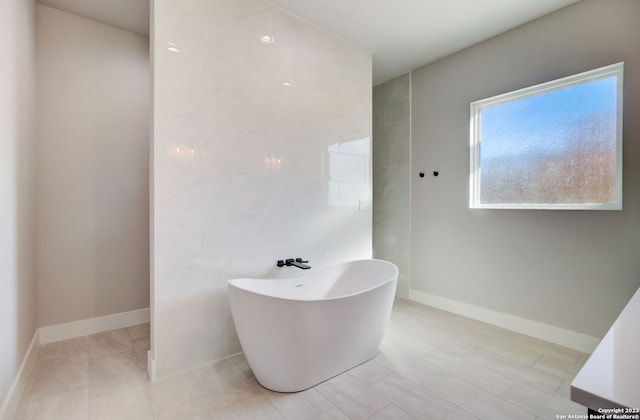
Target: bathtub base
(290, 390)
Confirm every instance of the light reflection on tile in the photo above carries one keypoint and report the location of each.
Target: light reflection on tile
(238, 159)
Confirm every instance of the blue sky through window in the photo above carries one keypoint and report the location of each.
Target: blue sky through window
(539, 125)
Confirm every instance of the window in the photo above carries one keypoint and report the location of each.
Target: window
(557, 145)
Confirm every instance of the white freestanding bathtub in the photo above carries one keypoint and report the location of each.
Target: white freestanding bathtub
(300, 331)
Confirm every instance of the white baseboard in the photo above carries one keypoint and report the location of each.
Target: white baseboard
(10, 404)
(151, 366)
(567, 338)
(52, 333)
(93, 325)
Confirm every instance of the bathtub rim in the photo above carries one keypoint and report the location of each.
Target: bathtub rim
(391, 279)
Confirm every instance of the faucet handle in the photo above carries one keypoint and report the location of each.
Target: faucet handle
(300, 260)
(280, 263)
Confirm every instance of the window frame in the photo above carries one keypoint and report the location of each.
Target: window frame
(476, 107)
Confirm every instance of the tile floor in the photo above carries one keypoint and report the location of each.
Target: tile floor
(432, 365)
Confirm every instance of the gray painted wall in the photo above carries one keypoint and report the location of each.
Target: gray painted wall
(93, 160)
(572, 269)
(17, 188)
(391, 177)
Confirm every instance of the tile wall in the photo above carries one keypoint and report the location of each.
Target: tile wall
(391, 174)
(261, 152)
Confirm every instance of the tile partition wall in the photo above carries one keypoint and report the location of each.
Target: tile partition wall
(391, 174)
(261, 152)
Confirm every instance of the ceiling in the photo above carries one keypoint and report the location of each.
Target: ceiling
(132, 15)
(401, 34)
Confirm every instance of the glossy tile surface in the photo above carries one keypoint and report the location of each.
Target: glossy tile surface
(262, 151)
(426, 369)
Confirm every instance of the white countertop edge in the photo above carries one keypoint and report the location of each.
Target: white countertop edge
(609, 378)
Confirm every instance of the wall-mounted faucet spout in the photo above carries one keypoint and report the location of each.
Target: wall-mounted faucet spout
(298, 262)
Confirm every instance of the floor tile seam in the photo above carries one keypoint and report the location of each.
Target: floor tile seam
(465, 380)
(523, 380)
(536, 414)
(333, 406)
(537, 360)
(48, 389)
(477, 389)
(22, 406)
(554, 394)
(558, 398)
(446, 399)
(546, 372)
(387, 406)
(372, 384)
(36, 371)
(92, 360)
(491, 347)
(97, 356)
(513, 403)
(58, 358)
(560, 365)
(137, 340)
(560, 387)
(518, 377)
(507, 391)
(98, 386)
(210, 397)
(340, 390)
(133, 338)
(546, 347)
(155, 412)
(262, 396)
(93, 345)
(574, 361)
(462, 378)
(239, 367)
(188, 372)
(23, 401)
(63, 356)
